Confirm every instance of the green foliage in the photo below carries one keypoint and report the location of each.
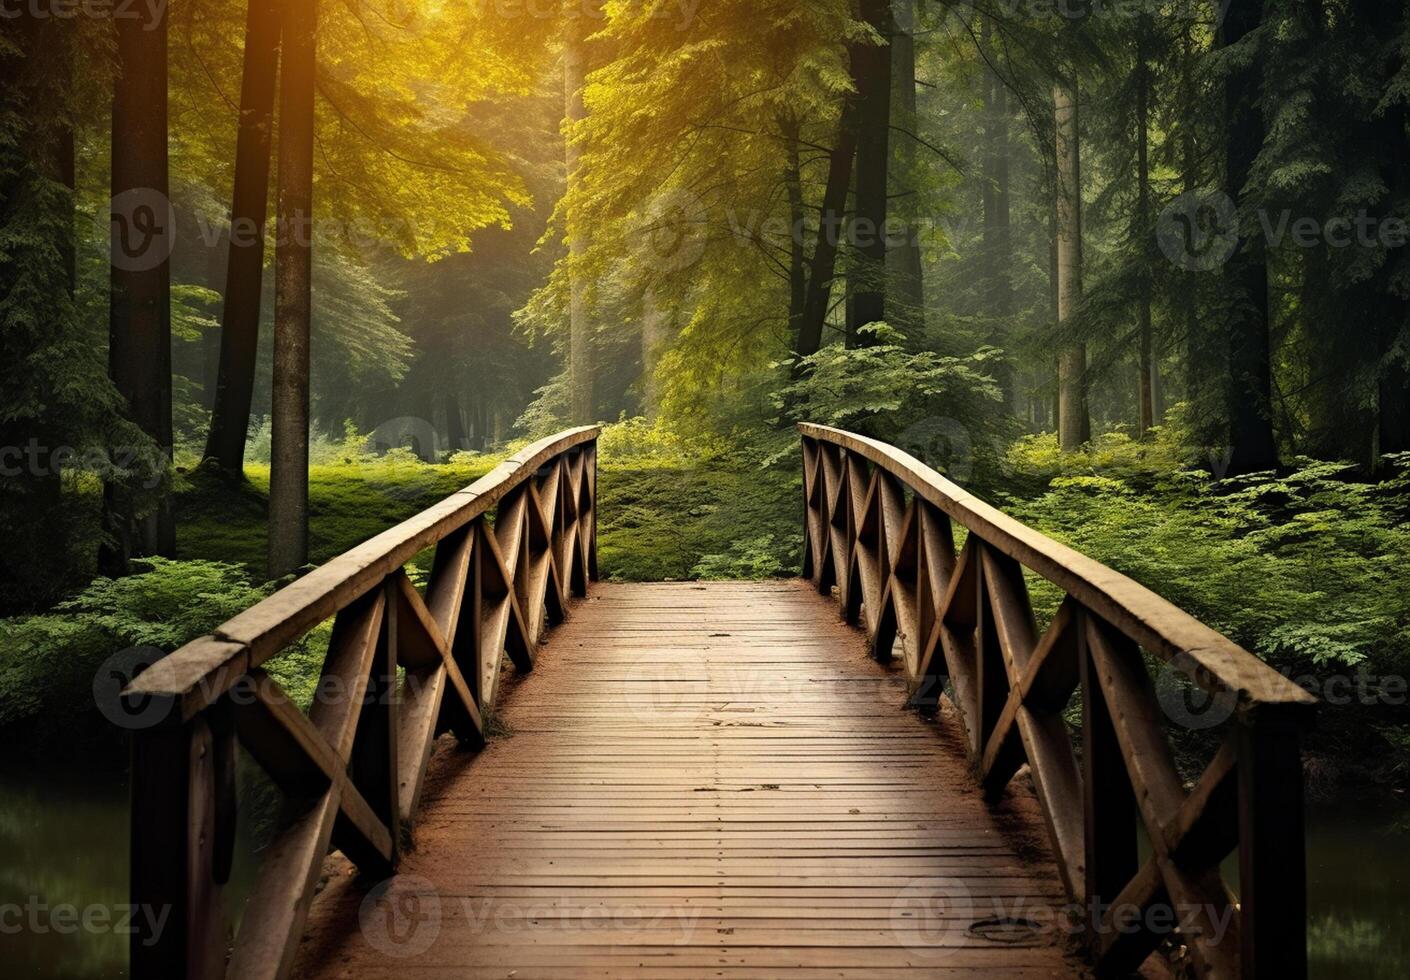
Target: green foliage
(48, 662)
(673, 521)
(351, 499)
(639, 442)
(947, 407)
(166, 605)
(748, 558)
(1305, 570)
(1032, 461)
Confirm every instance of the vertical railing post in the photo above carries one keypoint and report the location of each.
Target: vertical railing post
(178, 785)
(1109, 813)
(374, 765)
(1272, 852)
(592, 502)
(808, 559)
(992, 687)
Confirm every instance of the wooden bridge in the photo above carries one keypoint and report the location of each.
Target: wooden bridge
(724, 779)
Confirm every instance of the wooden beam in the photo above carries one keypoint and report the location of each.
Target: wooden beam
(1109, 811)
(172, 853)
(1272, 854)
(1136, 611)
(200, 672)
(278, 905)
(297, 757)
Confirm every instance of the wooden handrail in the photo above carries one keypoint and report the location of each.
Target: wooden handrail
(878, 531)
(402, 667)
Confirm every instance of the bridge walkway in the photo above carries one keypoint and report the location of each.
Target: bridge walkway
(705, 780)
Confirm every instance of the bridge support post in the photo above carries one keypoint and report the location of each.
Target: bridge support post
(1272, 853)
(182, 781)
(1110, 813)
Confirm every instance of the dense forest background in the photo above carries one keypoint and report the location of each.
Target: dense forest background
(278, 274)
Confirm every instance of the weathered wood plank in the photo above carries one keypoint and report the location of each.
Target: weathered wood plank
(717, 803)
(1149, 620)
(199, 673)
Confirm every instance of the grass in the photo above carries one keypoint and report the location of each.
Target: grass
(657, 520)
(348, 504)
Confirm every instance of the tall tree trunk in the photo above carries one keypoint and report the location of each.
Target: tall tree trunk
(139, 338)
(66, 165)
(210, 338)
(998, 247)
(904, 268)
(1144, 231)
(1249, 399)
(1388, 140)
(1203, 362)
(580, 359)
(244, 269)
(293, 266)
(1074, 426)
(455, 422)
(1393, 386)
(871, 67)
(797, 254)
(830, 229)
(655, 330)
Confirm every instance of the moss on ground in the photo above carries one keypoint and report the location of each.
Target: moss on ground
(663, 523)
(221, 521)
(656, 522)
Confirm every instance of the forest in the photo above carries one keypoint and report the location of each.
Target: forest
(276, 275)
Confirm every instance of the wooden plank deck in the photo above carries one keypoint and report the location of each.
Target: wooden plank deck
(703, 780)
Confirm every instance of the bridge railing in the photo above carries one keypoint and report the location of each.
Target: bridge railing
(880, 531)
(401, 668)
